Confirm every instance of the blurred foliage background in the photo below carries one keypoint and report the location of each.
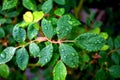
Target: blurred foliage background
(104, 14)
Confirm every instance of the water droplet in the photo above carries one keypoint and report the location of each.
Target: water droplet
(64, 56)
(58, 32)
(67, 29)
(2, 55)
(45, 27)
(62, 50)
(46, 60)
(73, 54)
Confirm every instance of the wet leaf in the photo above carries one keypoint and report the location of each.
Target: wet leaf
(59, 11)
(22, 58)
(61, 2)
(114, 71)
(90, 41)
(63, 26)
(69, 55)
(4, 70)
(7, 54)
(45, 55)
(34, 49)
(8, 4)
(32, 31)
(47, 6)
(59, 71)
(2, 33)
(19, 34)
(47, 28)
(29, 4)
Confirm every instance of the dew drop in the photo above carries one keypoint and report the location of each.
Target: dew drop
(2, 55)
(45, 27)
(67, 29)
(46, 60)
(62, 50)
(64, 56)
(73, 54)
(58, 32)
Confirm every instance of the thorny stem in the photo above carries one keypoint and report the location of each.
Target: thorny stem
(114, 50)
(42, 39)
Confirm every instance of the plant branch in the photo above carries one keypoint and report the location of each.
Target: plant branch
(114, 50)
(33, 65)
(42, 39)
(78, 8)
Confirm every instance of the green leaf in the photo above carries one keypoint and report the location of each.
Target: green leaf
(28, 17)
(96, 30)
(117, 43)
(8, 4)
(63, 26)
(47, 6)
(45, 55)
(90, 41)
(69, 55)
(59, 11)
(114, 71)
(105, 47)
(22, 58)
(61, 2)
(59, 71)
(32, 31)
(47, 28)
(29, 4)
(100, 75)
(2, 33)
(38, 15)
(115, 58)
(104, 35)
(74, 22)
(4, 70)
(86, 58)
(7, 54)
(110, 43)
(54, 59)
(97, 24)
(34, 49)
(2, 21)
(19, 34)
